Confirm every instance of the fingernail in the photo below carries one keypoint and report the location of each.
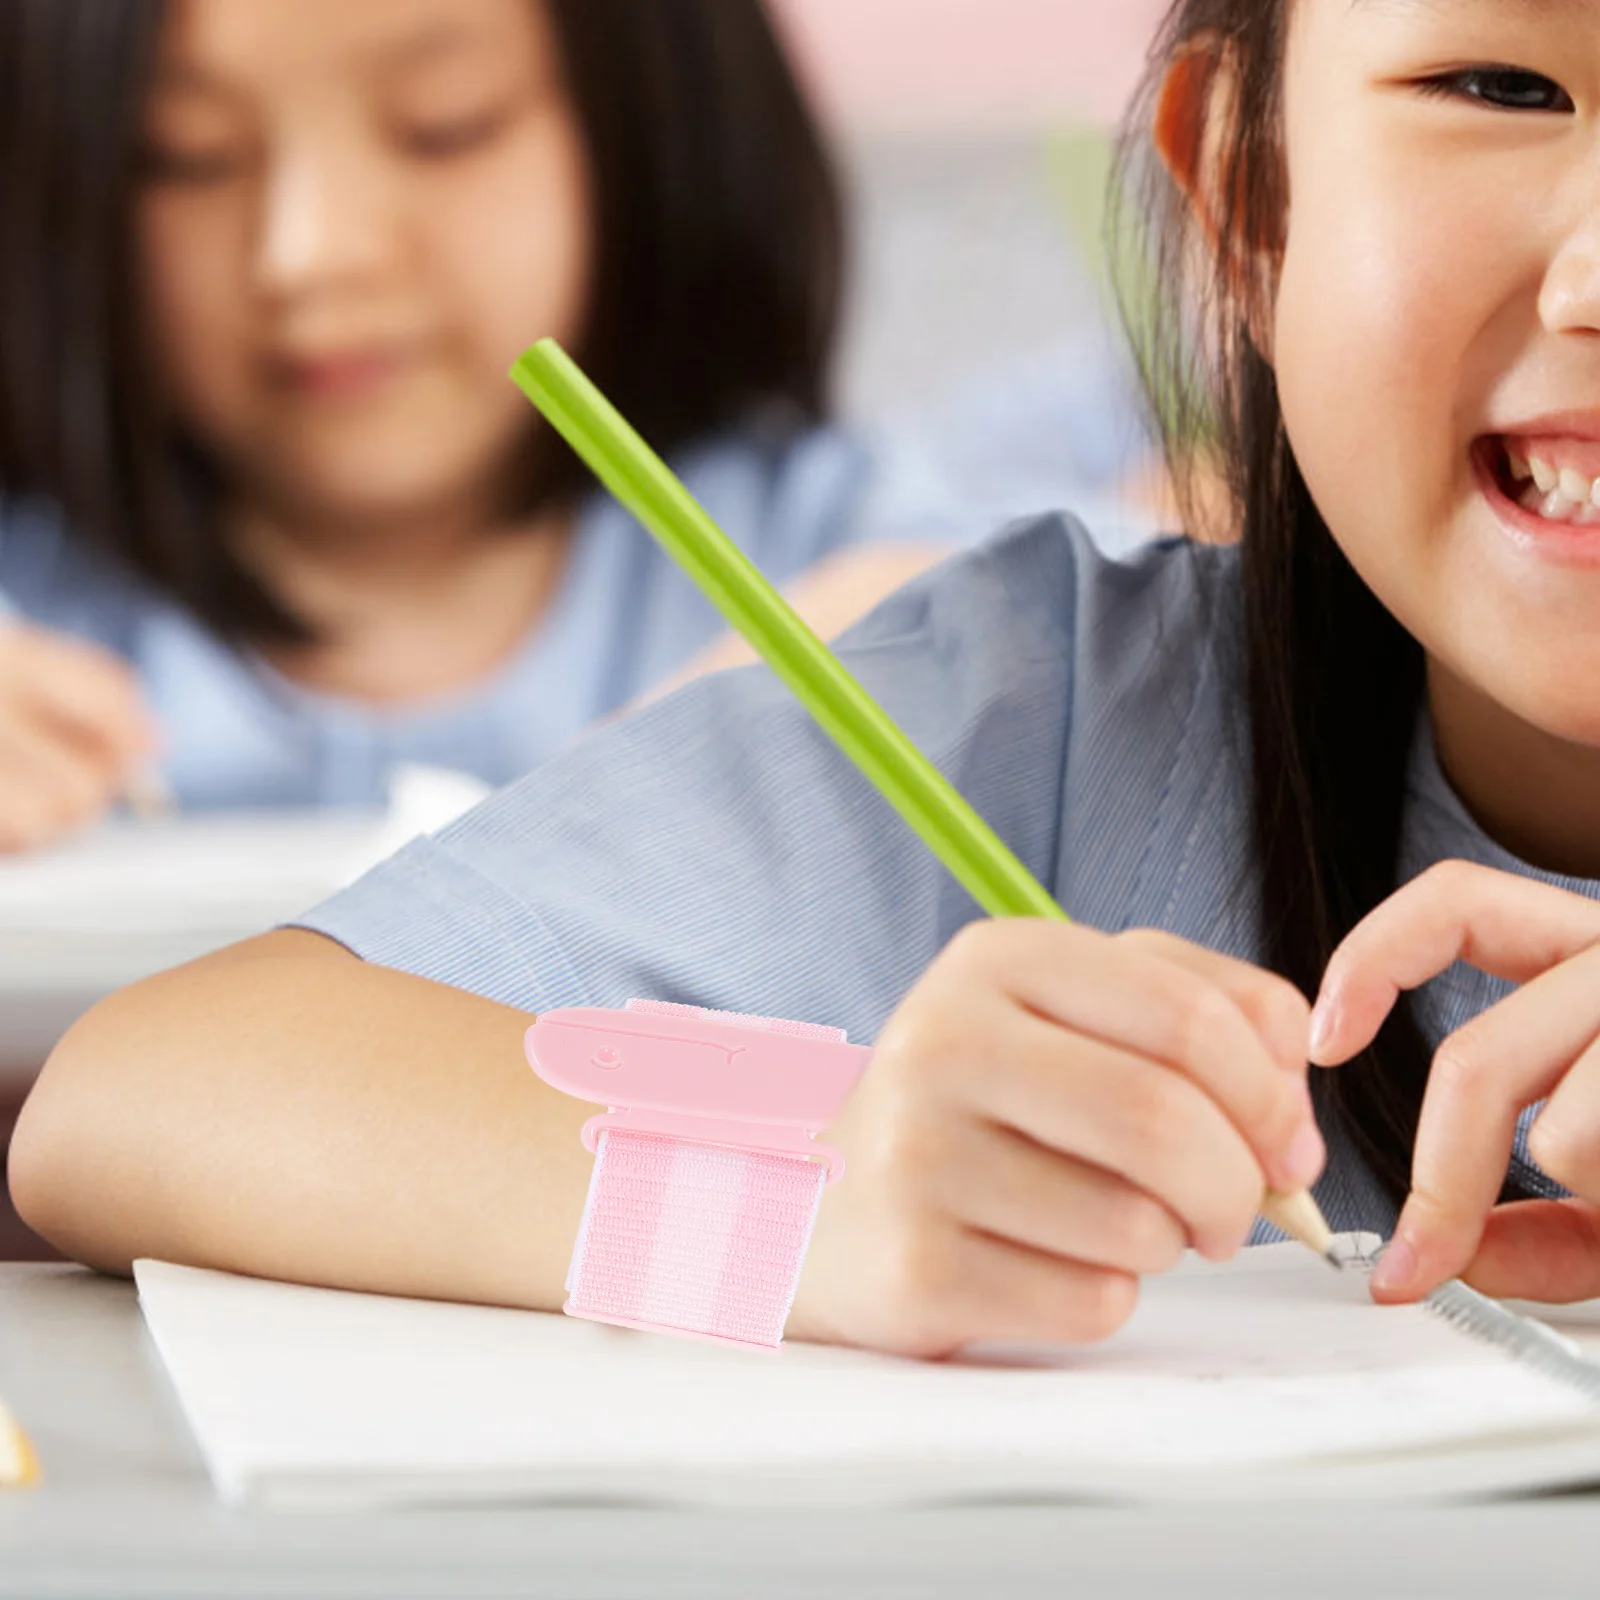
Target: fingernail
(1304, 1159)
(1324, 1024)
(1397, 1265)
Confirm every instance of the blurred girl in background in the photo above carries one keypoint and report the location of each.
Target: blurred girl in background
(272, 517)
(1355, 755)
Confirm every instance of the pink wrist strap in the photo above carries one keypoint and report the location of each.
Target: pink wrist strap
(705, 1187)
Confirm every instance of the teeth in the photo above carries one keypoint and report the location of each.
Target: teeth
(1559, 494)
(1575, 486)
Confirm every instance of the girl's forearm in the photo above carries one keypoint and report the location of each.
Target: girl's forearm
(284, 1109)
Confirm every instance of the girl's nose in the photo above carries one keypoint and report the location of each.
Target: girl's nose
(1569, 301)
(323, 222)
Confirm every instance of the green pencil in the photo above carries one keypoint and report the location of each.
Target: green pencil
(977, 857)
(951, 829)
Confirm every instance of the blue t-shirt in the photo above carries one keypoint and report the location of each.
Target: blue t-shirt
(717, 849)
(623, 616)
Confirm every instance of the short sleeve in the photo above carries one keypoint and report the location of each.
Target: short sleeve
(717, 849)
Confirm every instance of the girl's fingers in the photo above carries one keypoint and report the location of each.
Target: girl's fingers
(1456, 911)
(46, 787)
(1279, 1013)
(1565, 1137)
(87, 695)
(1139, 1004)
(1539, 1250)
(1002, 1184)
(1483, 1076)
(1051, 1114)
(1151, 1126)
(975, 1287)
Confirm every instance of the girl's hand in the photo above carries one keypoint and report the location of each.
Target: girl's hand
(1544, 1040)
(71, 733)
(1051, 1113)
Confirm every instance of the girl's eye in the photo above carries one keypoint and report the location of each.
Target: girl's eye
(441, 140)
(1502, 89)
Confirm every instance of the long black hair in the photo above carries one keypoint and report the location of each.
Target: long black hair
(1335, 683)
(718, 265)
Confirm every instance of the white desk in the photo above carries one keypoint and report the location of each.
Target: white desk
(125, 1510)
(49, 979)
(134, 899)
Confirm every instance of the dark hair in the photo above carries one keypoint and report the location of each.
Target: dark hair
(1334, 682)
(718, 265)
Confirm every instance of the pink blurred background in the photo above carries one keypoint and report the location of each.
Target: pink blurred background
(910, 66)
(968, 133)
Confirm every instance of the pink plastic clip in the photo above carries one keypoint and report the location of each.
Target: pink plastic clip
(707, 1172)
(759, 1083)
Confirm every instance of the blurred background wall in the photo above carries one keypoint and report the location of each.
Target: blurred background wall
(973, 133)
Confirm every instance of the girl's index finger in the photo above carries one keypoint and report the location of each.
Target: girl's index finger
(1485, 1075)
(1273, 1006)
(1146, 994)
(1506, 926)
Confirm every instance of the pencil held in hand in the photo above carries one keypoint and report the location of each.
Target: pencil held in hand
(974, 854)
(147, 793)
(1300, 1217)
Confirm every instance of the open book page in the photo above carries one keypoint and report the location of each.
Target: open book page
(1274, 1312)
(1243, 1375)
(1579, 1322)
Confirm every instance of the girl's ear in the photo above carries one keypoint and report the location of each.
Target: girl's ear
(1184, 130)
(1194, 132)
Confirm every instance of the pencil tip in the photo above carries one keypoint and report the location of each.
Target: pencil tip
(1333, 1258)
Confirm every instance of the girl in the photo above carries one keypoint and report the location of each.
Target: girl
(1341, 755)
(264, 268)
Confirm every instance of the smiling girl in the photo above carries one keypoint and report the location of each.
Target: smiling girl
(270, 513)
(1356, 755)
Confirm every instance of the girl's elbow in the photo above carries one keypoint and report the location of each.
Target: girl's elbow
(107, 1139)
(39, 1165)
(64, 1149)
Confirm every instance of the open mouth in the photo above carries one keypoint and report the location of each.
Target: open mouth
(1552, 490)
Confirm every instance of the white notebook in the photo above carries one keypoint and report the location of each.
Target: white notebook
(1274, 1377)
